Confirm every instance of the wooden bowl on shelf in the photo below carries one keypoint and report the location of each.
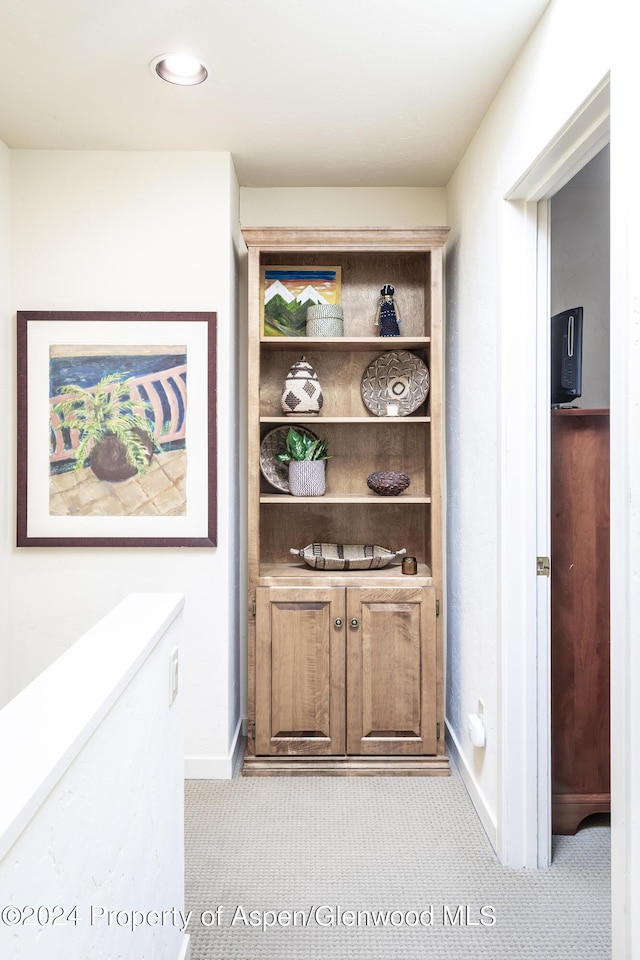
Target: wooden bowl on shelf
(388, 483)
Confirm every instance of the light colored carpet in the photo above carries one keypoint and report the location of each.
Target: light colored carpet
(316, 859)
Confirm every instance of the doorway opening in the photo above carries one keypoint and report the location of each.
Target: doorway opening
(579, 496)
(524, 826)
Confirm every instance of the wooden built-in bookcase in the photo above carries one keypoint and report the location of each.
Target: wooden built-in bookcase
(345, 668)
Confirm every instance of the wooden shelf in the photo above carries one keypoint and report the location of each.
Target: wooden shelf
(285, 418)
(272, 573)
(344, 343)
(368, 498)
(579, 412)
(302, 240)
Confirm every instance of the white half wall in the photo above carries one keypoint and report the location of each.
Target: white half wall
(133, 231)
(92, 805)
(490, 403)
(6, 350)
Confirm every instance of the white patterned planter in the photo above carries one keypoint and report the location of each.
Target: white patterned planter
(307, 478)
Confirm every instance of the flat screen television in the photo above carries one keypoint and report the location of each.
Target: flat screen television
(566, 356)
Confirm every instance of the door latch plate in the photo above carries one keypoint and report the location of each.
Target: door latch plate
(543, 566)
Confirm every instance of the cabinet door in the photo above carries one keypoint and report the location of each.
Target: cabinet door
(391, 669)
(300, 667)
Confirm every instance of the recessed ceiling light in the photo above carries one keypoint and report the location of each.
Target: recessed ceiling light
(179, 68)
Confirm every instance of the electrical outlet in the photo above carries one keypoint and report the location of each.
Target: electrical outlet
(173, 675)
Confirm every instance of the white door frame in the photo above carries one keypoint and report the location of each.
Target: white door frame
(524, 820)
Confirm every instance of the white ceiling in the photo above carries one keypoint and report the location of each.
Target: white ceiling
(301, 92)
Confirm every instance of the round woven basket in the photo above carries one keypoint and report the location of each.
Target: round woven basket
(325, 320)
(398, 376)
(325, 311)
(330, 327)
(275, 442)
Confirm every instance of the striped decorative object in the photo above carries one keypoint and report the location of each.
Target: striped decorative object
(346, 556)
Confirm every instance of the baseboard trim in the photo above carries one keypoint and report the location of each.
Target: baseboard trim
(215, 767)
(485, 814)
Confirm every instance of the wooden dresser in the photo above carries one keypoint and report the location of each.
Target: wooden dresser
(580, 727)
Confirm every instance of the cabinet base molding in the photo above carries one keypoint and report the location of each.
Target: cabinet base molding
(346, 767)
(569, 810)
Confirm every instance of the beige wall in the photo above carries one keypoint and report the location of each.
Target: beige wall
(133, 231)
(342, 206)
(6, 403)
(490, 343)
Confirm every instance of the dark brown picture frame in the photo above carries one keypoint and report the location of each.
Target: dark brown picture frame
(39, 436)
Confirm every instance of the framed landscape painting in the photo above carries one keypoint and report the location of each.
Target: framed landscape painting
(287, 292)
(116, 429)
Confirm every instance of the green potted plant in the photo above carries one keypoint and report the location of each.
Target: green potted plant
(306, 458)
(116, 440)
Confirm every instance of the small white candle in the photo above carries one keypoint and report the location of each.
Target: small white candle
(393, 409)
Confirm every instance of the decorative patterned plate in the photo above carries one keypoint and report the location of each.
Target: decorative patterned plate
(346, 556)
(395, 377)
(275, 442)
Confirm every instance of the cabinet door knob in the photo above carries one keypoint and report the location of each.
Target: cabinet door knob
(354, 622)
(338, 622)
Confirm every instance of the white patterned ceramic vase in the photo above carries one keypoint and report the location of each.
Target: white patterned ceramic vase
(307, 478)
(302, 393)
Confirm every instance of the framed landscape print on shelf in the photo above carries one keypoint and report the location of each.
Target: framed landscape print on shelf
(287, 292)
(116, 429)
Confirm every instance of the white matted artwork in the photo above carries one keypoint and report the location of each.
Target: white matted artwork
(116, 429)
